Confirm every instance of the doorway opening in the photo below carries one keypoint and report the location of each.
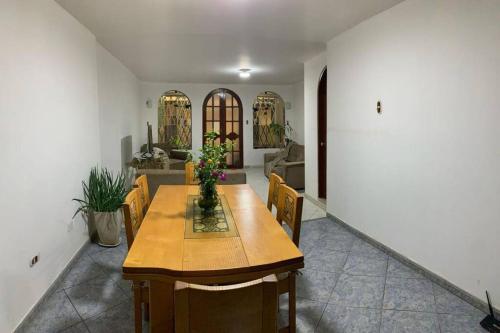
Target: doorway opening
(322, 134)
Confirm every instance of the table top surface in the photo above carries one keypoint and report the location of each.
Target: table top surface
(162, 250)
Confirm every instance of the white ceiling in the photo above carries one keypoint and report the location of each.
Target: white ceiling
(209, 40)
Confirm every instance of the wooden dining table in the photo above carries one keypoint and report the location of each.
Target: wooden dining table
(169, 247)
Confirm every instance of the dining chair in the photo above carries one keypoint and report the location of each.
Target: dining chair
(289, 211)
(132, 211)
(142, 184)
(190, 176)
(246, 307)
(272, 197)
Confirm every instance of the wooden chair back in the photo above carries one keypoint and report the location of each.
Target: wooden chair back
(272, 197)
(290, 210)
(246, 307)
(142, 184)
(132, 212)
(190, 177)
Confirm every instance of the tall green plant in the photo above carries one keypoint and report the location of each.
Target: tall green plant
(103, 192)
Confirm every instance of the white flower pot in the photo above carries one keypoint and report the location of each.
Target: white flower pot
(108, 225)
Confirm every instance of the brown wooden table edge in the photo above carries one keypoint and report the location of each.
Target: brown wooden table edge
(209, 277)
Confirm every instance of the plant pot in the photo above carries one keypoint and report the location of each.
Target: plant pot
(108, 225)
(91, 227)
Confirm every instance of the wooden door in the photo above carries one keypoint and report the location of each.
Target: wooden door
(223, 113)
(322, 135)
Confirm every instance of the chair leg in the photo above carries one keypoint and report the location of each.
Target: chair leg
(146, 311)
(291, 303)
(137, 308)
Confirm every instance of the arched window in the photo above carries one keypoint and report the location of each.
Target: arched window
(223, 113)
(268, 120)
(174, 120)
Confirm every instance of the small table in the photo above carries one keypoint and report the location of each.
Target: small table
(164, 251)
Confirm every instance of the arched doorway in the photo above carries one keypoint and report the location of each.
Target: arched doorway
(322, 134)
(223, 113)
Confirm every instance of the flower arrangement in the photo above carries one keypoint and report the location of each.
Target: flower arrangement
(209, 169)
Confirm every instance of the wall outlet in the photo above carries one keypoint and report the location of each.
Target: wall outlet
(34, 260)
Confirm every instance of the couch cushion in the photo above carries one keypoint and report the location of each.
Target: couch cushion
(176, 164)
(157, 177)
(296, 153)
(178, 154)
(163, 146)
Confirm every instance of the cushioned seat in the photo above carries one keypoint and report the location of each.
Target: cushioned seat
(288, 164)
(157, 177)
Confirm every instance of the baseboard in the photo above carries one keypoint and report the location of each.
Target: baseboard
(457, 291)
(315, 201)
(53, 286)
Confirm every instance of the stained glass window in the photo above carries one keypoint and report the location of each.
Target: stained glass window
(174, 120)
(268, 120)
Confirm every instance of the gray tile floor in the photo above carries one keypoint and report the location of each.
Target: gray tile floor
(347, 286)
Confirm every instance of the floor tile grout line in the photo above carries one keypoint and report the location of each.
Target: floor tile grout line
(78, 313)
(101, 271)
(383, 295)
(108, 309)
(436, 308)
(325, 305)
(331, 293)
(384, 309)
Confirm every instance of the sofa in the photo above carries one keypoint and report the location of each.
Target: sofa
(157, 177)
(176, 158)
(288, 164)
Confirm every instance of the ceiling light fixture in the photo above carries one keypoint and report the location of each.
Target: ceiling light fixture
(244, 73)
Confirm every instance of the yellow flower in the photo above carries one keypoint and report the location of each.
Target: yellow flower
(210, 161)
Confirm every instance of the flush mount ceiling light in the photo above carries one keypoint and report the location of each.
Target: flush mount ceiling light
(244, 73)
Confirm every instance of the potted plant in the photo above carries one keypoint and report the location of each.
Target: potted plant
(208, 170)
(283, 132)
(103, 197)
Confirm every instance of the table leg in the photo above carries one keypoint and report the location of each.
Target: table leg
(161, 307)
(291, 304)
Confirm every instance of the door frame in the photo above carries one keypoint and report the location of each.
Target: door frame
(223, 120)
(322, 113)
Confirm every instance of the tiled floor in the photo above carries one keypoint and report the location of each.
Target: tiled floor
(346, 286)
(256, 178)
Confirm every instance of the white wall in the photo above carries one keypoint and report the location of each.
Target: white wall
(423, 177)
(119, 108)
(312, 73)
(197, 93)
(49, 129)
(296, 115)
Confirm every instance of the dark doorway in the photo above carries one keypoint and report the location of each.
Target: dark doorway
(223, 113)
(322, 90)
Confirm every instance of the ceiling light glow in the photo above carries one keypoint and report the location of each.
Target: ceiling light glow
(244, 73)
